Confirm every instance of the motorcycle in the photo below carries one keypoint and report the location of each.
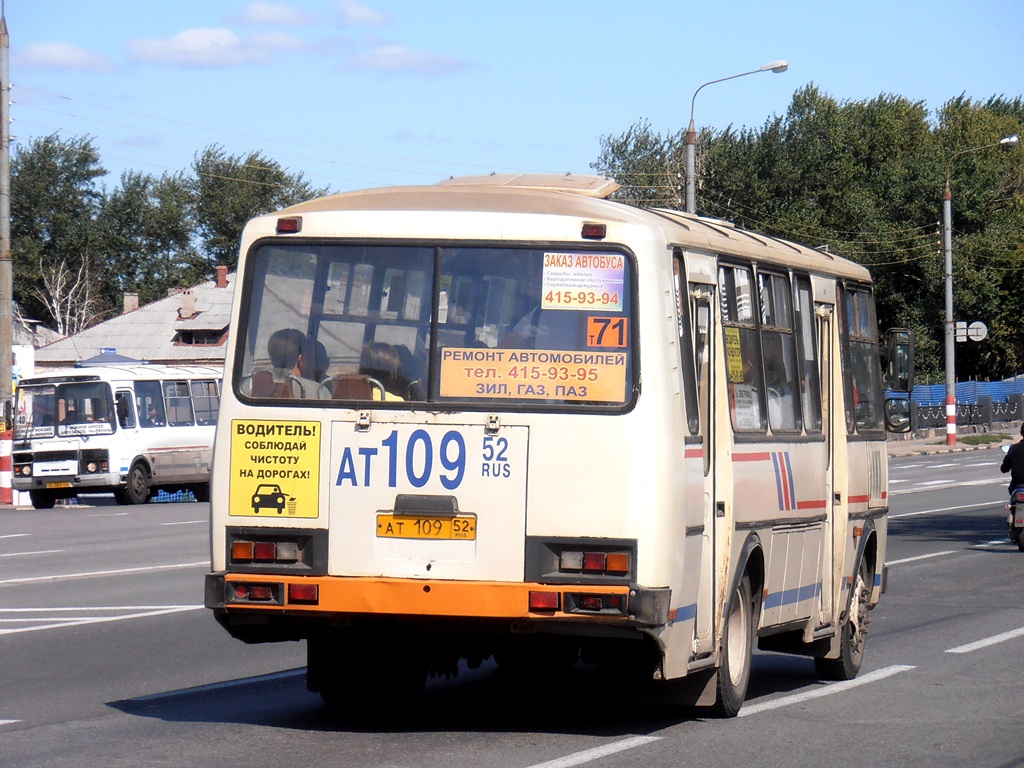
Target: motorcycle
(1015, 520)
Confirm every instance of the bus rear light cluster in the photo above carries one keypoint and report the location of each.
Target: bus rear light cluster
(605, 604)
(610, 563)
(264, 552)
(577, 603)
(252, 593)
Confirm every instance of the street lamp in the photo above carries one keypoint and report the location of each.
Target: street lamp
(947, 238)
(691, 133)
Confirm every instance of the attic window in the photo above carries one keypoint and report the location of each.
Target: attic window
(199, 336)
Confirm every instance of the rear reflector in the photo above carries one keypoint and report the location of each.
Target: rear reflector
(303, 593)
(544, 601)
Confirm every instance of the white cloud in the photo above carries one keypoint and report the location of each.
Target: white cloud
(356, 14)
(61, 56)
(397, 58)
(273, 14)
(211, 48)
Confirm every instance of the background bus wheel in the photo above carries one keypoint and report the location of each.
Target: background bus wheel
(201, 492)
(737, 649)
(854, 632)
(42, 499)
(138, 489)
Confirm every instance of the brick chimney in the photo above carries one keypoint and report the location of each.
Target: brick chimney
(131, 303)
(222, 276)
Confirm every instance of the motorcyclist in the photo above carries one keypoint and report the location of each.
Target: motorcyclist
(1013, 462)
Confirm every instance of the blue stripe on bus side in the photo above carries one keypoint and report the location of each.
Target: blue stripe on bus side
(790, 596)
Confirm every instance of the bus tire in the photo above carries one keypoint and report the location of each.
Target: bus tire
(853, 633)
(42, 499)
(737, 650)
(201, 492)
(138, 489)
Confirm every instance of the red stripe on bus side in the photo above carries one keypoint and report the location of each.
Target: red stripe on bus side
(751, 457)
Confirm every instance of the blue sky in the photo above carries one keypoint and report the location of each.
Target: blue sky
(368, 93)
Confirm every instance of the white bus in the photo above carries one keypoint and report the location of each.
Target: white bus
(128, 429)
(509, 418)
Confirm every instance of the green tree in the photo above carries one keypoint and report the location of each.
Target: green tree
(54, 201)
(230, 190)
(145, 238)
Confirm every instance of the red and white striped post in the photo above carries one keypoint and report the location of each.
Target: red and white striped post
(6, 490)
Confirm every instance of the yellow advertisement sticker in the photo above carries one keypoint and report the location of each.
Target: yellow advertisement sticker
(275, 468)
(734, 353)
(534, 374)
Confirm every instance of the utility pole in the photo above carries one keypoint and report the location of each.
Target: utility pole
(6, 264)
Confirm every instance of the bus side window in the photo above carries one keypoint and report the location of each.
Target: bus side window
(124, 409)
(743, 353)
(205, 401)
(179, 403)
(150, 402)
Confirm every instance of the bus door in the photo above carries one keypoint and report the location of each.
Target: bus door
(696, 290)
(824, 330)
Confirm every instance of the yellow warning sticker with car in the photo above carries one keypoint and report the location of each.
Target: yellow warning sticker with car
(275, 468)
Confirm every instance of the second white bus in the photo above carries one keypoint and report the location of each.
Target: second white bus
(128, 429)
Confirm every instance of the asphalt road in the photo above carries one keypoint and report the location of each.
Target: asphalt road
(107, 658)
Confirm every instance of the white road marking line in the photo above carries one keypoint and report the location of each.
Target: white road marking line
(827, 690)
(14, 535)
(941, 509)
(8, 722)
(37, 552)
(120, 572)
(587, 755)
(109, 514)
(935, 485)
(1013, 633)
(100, 620)
(921, 557)
(188, 522)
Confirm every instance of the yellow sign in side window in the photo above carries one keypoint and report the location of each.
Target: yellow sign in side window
(734, 354)
(275, 468)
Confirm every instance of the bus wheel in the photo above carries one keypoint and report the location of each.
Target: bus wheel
(854, 632)
(42, 499)
(201, 492)
(737, 649)
(138, 489)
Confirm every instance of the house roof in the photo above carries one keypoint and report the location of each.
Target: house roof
(153, 332)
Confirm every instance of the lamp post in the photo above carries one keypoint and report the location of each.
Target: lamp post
(947, 242)
(691, 133)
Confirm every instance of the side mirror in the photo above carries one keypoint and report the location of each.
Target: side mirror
(900, 360)
(897, 414)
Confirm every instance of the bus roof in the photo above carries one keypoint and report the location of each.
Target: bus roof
(584, 197)
(123, 372)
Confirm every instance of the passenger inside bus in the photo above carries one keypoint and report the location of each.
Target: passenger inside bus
(380, 361)
(289, 376)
